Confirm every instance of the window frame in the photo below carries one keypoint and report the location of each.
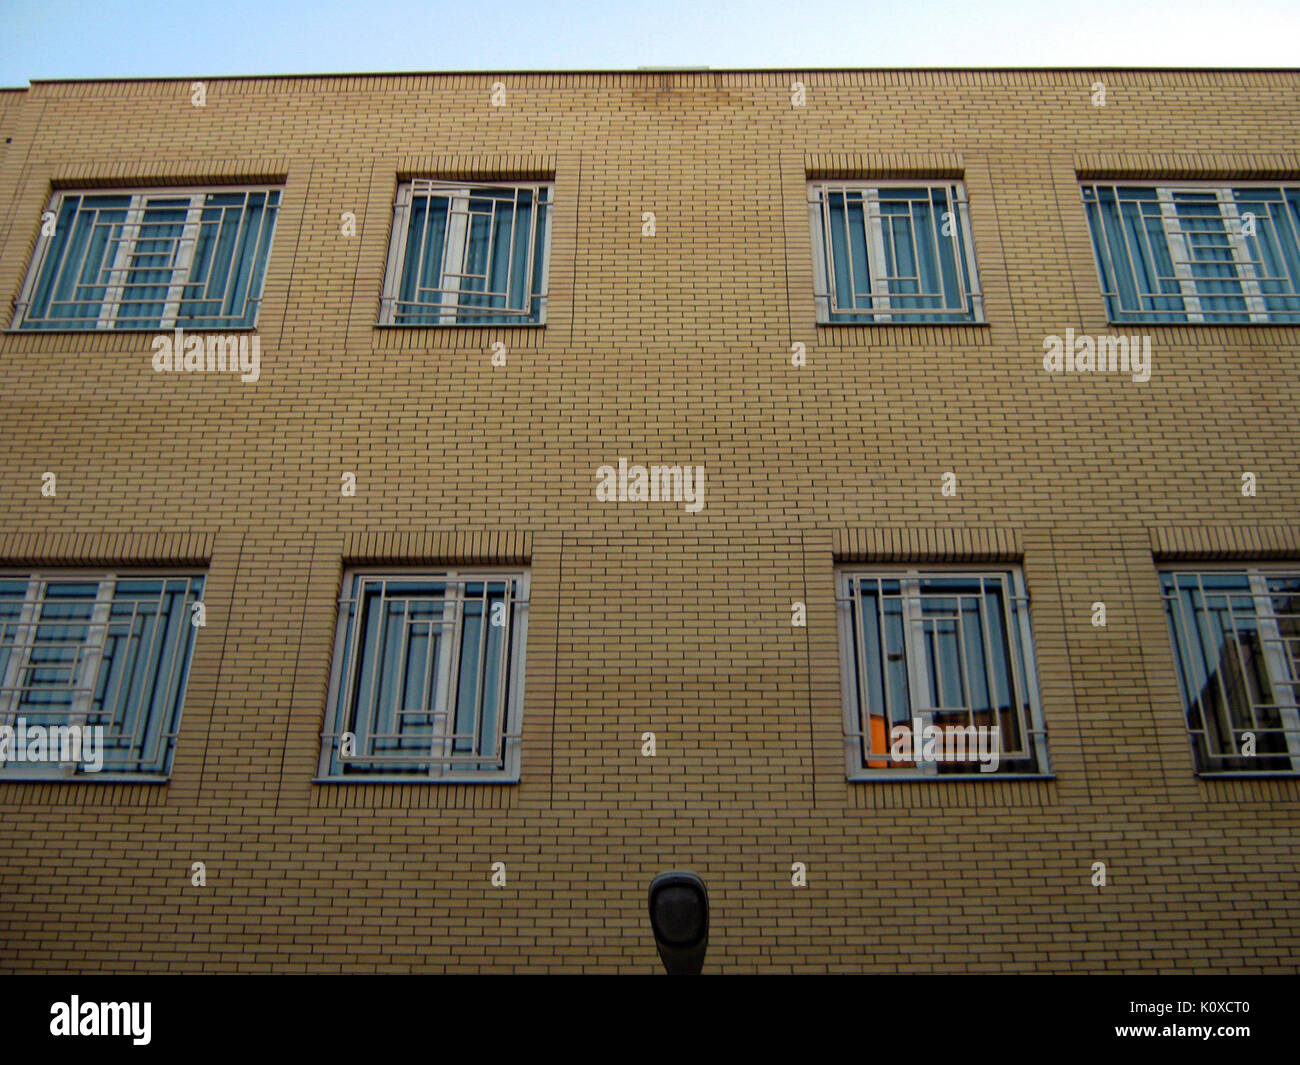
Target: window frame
(1257, 574)
(461, 192)
(972, 311)
(344, 662)
(852, 655)
(185, 247)
(108, 580)
(1256, 309)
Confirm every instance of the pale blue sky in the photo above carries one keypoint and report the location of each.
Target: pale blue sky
(173, 38)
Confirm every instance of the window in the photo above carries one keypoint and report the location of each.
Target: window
(150, 260)
(1196, 253)
(468, 255)
(893, 252)
(938, 674)
(1236, 639)
(100, 651)
(428, 677)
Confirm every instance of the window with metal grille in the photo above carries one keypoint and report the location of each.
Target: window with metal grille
(160, 259)
(893, 252)
(428, 677)
(1236, 640)
(949, 649)
(468, 255)
(1188, 252)
(101, 650)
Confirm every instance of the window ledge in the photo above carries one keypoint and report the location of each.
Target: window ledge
(121, 332)
(912, 323)
(942, 778)
(461, 325)
(1204, 325)
(1261, 774)
(82, 778)
(466, 779)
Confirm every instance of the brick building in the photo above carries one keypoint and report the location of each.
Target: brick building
(442, 319)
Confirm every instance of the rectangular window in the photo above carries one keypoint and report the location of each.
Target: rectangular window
(428, 677)
(1194, 253)
(468, 254)
(893, 252)
(1236, 639)
(938, 674)
(101, 650)
(161, 259)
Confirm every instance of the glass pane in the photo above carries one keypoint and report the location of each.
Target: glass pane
(223, 286)
(53, 677)
(1222, 661)
(1217, 281)
(1133, 255)
(76, 272)
(422, 291)
(962, 641)
(149, 267)
(1273, 246)
(851, 276)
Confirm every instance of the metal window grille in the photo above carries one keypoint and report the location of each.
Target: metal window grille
(150, 260)
(952, 648)
(468, 254)
(893, 252)
(428, 677)
(111, 651)
(1236, 642)
(1196, 253)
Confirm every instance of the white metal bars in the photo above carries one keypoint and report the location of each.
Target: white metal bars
(106, 651)
(952, 648)
(1191, 252)
(468, 254)
(150, 259)
(1236, 641)
(893, 252)
(428, 676)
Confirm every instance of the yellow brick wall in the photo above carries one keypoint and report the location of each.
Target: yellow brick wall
(667, 348)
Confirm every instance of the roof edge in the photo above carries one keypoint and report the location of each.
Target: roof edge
(635, 71)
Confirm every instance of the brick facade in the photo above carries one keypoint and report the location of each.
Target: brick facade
(672, 348)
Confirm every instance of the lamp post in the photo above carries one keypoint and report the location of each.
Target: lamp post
(679, 917)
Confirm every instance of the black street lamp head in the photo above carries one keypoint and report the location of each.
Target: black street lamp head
(679, 918)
